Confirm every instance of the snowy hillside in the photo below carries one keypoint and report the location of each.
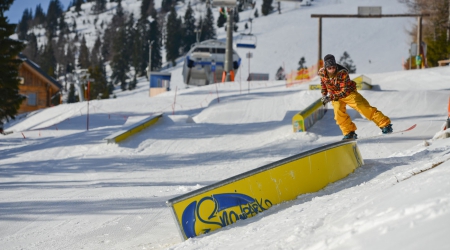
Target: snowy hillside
(63, 187)
(374, 45)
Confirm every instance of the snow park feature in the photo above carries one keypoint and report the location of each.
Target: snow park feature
(133, 129)
(363, 82)
(248, 194)
(305, 119)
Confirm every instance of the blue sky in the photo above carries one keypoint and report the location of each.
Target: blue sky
(16, 10)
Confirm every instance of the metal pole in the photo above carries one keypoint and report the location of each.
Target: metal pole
(149, 58)
(248, 79)
(88, 88)
(419, 38)
(409, 59)
(229, 49)
(320, 41)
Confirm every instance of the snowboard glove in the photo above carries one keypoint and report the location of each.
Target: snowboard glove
(325, 99)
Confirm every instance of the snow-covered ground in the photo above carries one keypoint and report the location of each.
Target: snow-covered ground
(63, 187)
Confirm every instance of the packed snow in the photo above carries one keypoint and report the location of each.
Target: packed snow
(63, 187)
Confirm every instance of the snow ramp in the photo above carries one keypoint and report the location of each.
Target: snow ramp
(245, 195)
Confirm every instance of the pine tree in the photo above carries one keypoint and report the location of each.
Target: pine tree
(23, 26)
(148, 32)
(10, 99)
(435, 28)
(78, 4)
(156, 37)
(96, 57)
(71, 4)
(130, 34)
(302, 63)
(47, 59)
(140, 48)
(118, 21)
(208, 31)
(189, 29)
(83, 58)
(39, 15)
(173, 40)
(60, 51)
(133, 40)
(119, 63)
(32, 51)
(62, 25)
(99, 87)
(53, 13)
(70, 58)
(137, 56)
(438, 48)
(347, 62)
(119, 18)
(147, 7)
(133, 83)
(99, 6)
(166, 5)
(71, 96)
(266, 7)
(106, 50)
(74, 25)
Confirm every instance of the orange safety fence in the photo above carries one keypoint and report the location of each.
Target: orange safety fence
(302, 75)
(448, 107)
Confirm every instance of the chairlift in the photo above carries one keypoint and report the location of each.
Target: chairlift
(246, 41)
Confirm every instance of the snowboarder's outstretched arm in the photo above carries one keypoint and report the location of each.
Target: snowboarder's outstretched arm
(337, 87)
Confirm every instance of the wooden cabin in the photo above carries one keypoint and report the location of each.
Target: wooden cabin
(36, 85)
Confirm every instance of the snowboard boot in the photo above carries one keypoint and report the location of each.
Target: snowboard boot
(349, 136)
(387, 130)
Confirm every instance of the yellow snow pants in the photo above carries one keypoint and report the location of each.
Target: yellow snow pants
(356, 101)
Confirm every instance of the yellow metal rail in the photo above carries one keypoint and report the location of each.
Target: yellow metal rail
(133, 129)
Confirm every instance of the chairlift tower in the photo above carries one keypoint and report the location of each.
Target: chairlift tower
(79, 74)
(231, 5)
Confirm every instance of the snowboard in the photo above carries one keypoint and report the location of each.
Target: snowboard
(395, 132)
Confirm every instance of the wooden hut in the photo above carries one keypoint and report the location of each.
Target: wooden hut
(36, 85)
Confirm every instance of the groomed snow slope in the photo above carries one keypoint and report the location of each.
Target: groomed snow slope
(65, 188)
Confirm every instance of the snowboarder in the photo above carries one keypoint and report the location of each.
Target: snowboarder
(338, 89)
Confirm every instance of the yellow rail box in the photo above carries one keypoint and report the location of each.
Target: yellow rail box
(250, 193)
